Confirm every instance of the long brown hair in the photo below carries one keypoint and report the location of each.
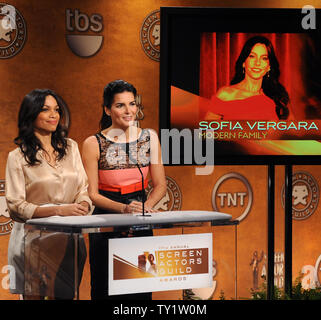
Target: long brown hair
(30, 108)
(270, 84)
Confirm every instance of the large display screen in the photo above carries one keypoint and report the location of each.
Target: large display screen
(246, 78)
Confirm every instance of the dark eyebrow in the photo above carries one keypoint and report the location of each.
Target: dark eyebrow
(49, 106)
(252, 52)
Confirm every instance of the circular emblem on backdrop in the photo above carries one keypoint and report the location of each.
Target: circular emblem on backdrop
(173, 198)
(13, 31)
(150, 35)
(233, 194)
(305, 195)
(6, 222)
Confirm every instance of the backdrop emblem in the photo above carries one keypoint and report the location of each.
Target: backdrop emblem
(87, 41)
(13, 31)
(305, 195)
(150, 35)
(6, 222)
(172, 199)
(233, 194)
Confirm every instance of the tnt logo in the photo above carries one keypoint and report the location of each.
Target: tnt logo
(233, 194)
(232, 199)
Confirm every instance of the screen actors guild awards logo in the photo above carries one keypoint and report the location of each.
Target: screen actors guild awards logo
(13, 31)
(233, 194)
(150, 35)
(305, 195)
(6, 223)
(173, 198)
(84, 45)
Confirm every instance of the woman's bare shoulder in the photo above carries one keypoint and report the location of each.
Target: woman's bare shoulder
(227, 93)
(90, 140)
(90, 143)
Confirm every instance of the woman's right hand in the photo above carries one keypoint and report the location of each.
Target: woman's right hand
(74, 209)
(137, 207)
(134, 206)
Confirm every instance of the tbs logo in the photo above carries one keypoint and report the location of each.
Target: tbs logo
(83, 45)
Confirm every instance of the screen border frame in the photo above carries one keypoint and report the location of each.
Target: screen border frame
(167, 16)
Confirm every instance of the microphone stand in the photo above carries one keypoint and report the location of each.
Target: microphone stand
(143, 192)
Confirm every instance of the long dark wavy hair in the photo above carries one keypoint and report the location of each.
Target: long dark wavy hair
(112, 88)
(270, 84)
(30, 108)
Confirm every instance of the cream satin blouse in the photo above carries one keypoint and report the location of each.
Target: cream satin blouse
(28, 187)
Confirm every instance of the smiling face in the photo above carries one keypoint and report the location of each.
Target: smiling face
(48, 118)
(257, 64)
(123, 110)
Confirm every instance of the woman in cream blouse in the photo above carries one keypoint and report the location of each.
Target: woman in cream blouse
(44, 175)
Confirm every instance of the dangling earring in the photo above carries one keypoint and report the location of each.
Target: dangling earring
(268, 74)
(243, 70)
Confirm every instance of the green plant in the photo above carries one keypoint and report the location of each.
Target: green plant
(261, 294)
(188, 294)
(297, 292)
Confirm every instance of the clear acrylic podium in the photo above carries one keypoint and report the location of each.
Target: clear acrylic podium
(46, 240)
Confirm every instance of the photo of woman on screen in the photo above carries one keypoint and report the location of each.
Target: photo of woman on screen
(255, 92)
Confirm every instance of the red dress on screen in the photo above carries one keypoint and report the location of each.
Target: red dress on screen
(258, 107)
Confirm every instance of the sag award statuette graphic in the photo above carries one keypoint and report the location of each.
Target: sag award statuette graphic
(150, 35)
(13, 31)
(83, 36)
(305, 195)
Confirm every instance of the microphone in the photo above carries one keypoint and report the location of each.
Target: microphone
(143, 191)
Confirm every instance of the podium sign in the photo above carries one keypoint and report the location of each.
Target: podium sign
(160, 263)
